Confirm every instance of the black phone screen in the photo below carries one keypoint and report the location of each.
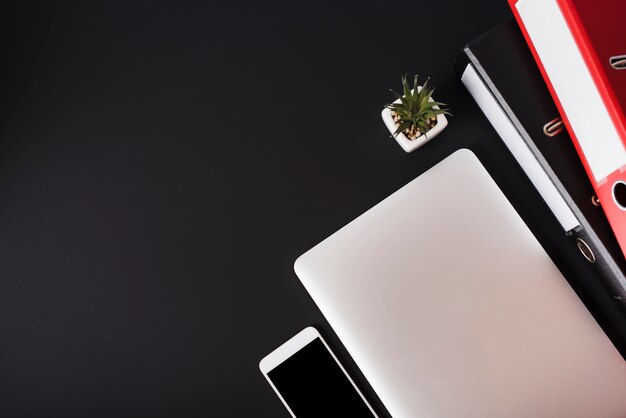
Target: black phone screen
(313, 385)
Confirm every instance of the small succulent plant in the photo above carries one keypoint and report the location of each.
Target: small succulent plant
(415, 114)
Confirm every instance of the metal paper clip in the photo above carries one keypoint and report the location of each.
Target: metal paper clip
(554, 127)
(618, 62)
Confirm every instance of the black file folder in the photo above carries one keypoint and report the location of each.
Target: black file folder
(499, 71)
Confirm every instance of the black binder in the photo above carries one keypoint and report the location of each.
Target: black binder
(500, 73)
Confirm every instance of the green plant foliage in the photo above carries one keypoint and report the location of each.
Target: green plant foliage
(415, 114)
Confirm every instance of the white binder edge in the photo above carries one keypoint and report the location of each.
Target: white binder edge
(516, 144)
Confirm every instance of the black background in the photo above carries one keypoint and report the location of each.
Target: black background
(162, 164)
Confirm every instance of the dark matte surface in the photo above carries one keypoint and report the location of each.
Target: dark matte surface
(163, 164)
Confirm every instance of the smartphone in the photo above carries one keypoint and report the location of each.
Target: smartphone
(309, 380)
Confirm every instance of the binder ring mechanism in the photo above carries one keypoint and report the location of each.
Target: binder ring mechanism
(554, 127)
(585, 250)
(618, 62)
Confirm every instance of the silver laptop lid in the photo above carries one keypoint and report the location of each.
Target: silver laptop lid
(451, 307)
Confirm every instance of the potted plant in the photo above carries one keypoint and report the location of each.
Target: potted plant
(414, 118)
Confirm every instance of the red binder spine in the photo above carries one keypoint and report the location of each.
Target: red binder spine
(605, 186)
(579, 150)
(592, 58)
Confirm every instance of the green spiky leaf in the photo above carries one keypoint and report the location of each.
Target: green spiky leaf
(415, 109)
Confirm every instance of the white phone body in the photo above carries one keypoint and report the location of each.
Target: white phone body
(290, 348)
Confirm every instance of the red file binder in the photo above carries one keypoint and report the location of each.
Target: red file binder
(580, 48)
(598, 26)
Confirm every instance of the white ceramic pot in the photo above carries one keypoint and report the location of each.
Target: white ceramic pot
(410, 145)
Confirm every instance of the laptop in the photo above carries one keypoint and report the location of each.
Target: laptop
(451, 308)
